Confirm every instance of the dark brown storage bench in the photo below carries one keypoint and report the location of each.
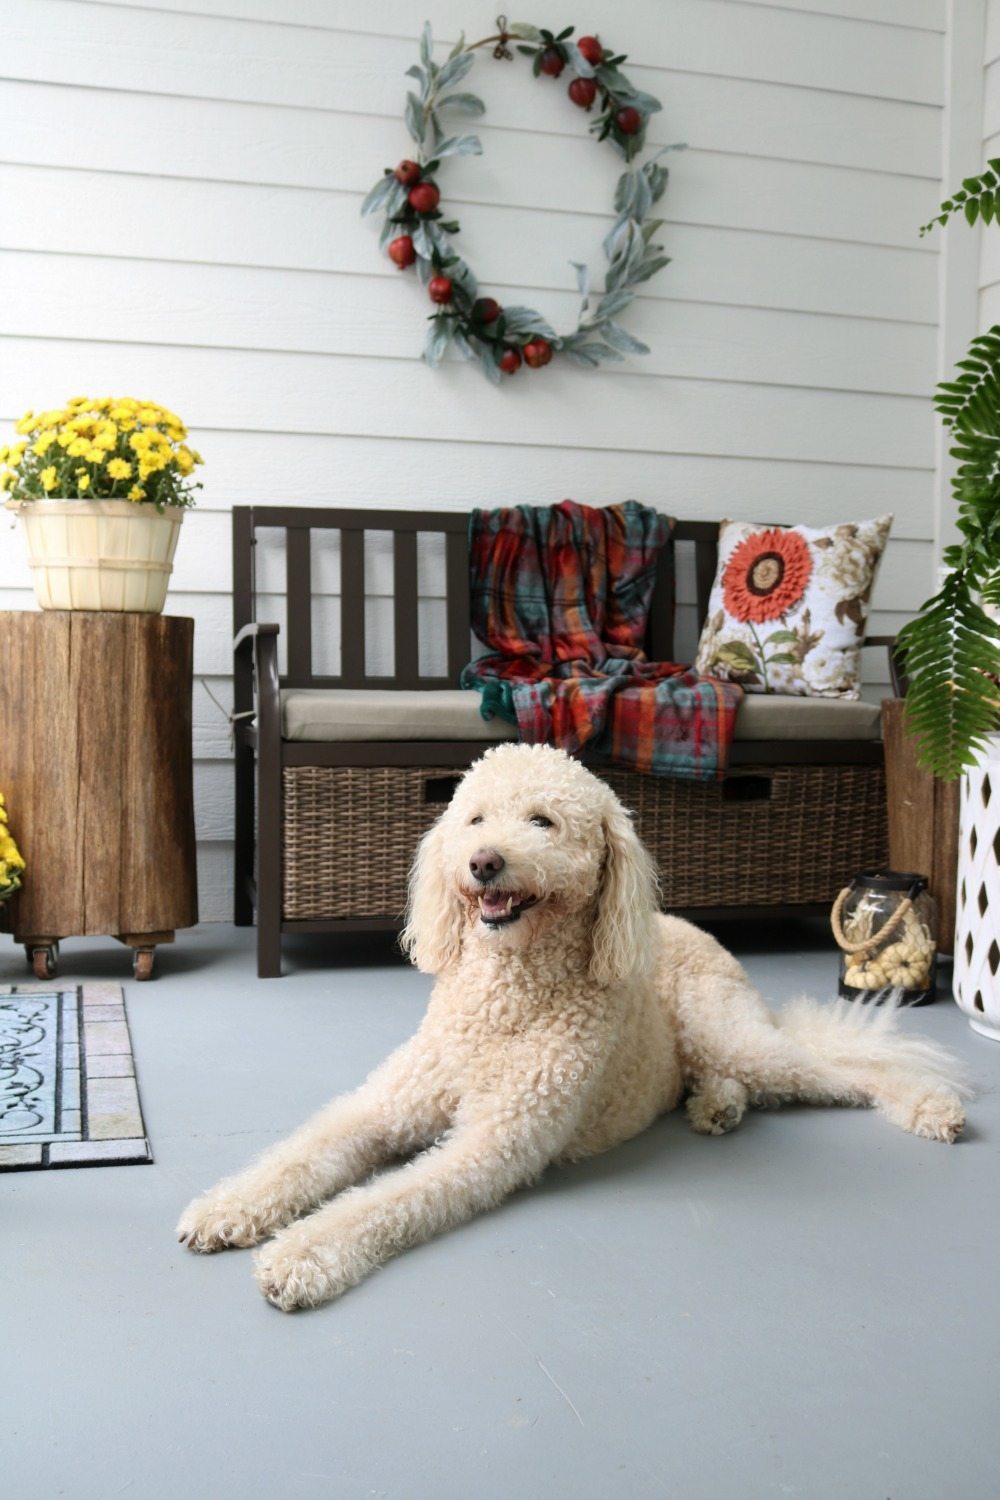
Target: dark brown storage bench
(341, 765)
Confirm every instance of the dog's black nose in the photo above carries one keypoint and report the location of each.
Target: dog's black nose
(486, 865)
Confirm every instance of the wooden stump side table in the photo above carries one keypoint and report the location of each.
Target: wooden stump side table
(95, 763)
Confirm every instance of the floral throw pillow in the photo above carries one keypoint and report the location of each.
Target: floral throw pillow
(789, 606)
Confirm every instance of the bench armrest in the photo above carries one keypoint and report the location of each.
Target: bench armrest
(264, 686)
(897, 675)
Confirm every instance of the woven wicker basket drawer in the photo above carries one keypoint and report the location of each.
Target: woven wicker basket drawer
(770, 836)
(350, 833)
(782, 835)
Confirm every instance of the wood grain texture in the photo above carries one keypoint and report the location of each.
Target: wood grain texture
(923, 819)
(95, 755)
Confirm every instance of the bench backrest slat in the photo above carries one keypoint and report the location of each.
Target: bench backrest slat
(352, 608)
(298, 586)
(405, 606)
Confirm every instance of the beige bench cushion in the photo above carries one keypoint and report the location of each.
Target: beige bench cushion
(323, 714)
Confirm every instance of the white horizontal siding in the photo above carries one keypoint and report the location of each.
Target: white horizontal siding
(181, 183)
(221, 308)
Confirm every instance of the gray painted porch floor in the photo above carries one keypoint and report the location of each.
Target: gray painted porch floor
(808, 1307)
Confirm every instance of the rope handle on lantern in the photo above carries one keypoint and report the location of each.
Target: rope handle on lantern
(884, 932)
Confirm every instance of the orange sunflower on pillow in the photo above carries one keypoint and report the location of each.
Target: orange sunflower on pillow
(766, 575)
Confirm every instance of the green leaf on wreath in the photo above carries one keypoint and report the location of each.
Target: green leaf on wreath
(414, 118)
(378, 195)
(455, 70)
(581, 67)
(467, 104)
(459, 145)
(618, 338)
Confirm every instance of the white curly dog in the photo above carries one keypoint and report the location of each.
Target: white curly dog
(567, 1015)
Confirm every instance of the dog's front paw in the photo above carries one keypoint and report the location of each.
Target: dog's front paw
(219, 1221)
(296, 1270)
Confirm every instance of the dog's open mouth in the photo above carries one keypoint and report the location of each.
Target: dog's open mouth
(499, 908)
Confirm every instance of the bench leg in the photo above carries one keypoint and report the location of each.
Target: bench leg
(243, 847)
(269, 862)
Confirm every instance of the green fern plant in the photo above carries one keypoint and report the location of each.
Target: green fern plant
(951, 650)
(977, 198)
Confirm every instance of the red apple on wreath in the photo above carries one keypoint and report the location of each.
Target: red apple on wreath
(402, 252)
(424, 197)
(537, 352)
(583, 91)
(486, 310)
(439, 288)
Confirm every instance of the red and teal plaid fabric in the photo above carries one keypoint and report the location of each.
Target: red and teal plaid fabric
(561, 594)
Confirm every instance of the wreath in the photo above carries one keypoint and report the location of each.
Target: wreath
(416, 232)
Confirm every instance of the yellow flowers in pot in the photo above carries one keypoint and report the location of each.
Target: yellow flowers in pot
(11, 863)
(103, 448)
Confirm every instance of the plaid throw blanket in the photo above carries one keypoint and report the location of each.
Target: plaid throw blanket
(561, 594)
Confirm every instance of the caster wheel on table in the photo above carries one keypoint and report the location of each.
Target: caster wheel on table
(43, 961)
(142, 963)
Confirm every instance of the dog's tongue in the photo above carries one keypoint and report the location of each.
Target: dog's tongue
(498, 903)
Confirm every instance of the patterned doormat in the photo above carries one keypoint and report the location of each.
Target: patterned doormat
(68, 1095)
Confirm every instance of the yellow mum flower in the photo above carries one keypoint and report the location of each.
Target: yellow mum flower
(26, 424)
(107, 438)
(16, 453)
(83, 482)
(127, 425)
(3, 453)
(150, 415)
(96, 455)
(185, 460)
(119, 468)
(135, 493)
(49, 478)
(44, 443)
(78, 447)
(64, 439)
(123, 410)
(140, 442)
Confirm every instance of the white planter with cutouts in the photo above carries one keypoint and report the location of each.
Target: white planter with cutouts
(977, 922)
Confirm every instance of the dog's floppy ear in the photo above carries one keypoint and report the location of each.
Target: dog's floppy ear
(627, 897)
(434, 915)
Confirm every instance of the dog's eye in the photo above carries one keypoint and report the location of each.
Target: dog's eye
(477, 819)
(540, 820)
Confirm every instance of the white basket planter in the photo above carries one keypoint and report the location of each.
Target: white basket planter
(100, 554)
(977, 919)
